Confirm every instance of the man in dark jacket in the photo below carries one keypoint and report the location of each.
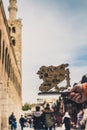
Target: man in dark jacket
(11, 120)
(22, 121)
(38, 119)
(67, 120)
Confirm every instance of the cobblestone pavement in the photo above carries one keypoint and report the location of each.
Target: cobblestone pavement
(57, 128)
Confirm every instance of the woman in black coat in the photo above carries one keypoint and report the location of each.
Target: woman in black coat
(66, 121)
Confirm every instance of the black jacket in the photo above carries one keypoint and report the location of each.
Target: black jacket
(22, 121)
(38, 120)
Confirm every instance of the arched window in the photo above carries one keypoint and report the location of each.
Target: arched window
(8, 65)
(9, 30)
(6, 51)
(13, 29)
(11, 71)
(13, 41)
(3, 53)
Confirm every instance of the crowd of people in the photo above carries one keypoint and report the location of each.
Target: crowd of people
(40, 119)
(45, 119)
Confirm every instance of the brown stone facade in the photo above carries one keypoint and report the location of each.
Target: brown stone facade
(10, 71)
(52, 76)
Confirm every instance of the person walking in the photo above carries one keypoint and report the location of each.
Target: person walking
(66, 121)
(30, 122)
(83, 122)
(14, 124)
(22, 121)
(79, 118)
(38, 119)
(48, 117)
(11, 120)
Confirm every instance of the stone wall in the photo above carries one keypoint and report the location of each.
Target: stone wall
(10, 75)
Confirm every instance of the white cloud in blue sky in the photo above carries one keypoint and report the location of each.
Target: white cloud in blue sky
(54, 32)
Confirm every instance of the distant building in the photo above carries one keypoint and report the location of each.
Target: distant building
(10, 64)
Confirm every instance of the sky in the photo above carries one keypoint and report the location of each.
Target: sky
(53, 32)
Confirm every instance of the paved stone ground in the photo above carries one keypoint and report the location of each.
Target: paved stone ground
(57, 128)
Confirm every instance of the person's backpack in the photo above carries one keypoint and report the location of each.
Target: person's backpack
(49, 120)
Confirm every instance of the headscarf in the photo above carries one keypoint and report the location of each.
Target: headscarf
(67, 115)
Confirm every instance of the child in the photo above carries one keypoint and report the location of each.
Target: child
(15, 124)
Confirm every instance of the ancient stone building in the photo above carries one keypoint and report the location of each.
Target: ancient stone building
(10, 64)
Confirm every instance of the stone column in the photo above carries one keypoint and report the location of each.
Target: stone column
(4, 108)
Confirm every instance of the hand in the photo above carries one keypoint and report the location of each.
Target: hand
(77, 94)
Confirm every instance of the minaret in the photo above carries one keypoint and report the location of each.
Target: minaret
(12, 9)
(15, 28)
